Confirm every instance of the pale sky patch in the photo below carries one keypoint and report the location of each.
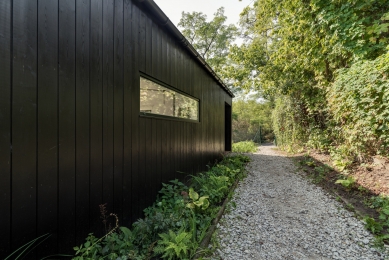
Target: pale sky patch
(174, 8)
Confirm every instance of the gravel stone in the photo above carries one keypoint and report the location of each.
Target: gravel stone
(281, 215)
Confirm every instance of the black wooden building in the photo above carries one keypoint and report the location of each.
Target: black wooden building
(100, 102)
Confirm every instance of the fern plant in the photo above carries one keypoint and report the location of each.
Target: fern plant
(175, 246)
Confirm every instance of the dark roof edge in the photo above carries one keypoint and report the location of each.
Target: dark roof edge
(165, 21)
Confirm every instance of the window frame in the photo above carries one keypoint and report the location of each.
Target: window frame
(165, 85)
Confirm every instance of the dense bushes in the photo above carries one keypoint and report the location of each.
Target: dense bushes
(244, 147)
(324, 63)
(359, 103)
(175, 224)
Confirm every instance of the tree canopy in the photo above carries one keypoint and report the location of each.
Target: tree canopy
(322, 62)
(210, 38)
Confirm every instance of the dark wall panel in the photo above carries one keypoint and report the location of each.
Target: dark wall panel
(108, 105)
(66, 125)
(47, 123)
(136, 59)
(82, 111)
(118, 102)
(5, 126)
(24, 122)
(96, 115)
(130, 26)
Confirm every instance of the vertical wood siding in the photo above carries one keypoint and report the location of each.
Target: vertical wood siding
(71, 137)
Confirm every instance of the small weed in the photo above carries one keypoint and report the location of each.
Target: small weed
(318, 178)
(347, 183)
(363, 189)
(350, 207)
(372, 225)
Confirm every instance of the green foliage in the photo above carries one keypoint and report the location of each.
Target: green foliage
(287, 125)
(324, 64)
(175, 224)
(211, 39)
(372, 225)
(196, 201)
(381, 204)
(359, 102)
(117, 245)
(175, 246)
(347, 183)
(211, 184)
(244, 147)
(251, 120)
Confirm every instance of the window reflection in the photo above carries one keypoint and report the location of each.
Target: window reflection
(159, 100)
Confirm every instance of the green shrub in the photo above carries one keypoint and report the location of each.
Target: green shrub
(287, 124)
(359, 103)
(244, 147)
(175, 224)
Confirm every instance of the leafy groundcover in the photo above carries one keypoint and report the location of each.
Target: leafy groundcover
(175, 224)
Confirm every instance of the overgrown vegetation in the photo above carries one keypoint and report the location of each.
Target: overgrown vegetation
(175, 224)
(251, 120)
(244, 147)
(325, 65)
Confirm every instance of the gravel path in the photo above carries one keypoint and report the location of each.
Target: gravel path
(281, 215)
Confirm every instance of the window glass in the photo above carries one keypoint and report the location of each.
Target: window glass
(159, 100)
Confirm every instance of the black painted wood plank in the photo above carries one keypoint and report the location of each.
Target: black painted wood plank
(108, 106)
(148, 46)
(130, 41)
(153, 61)
(155, 171)
(149, 162)
(177, 155)
(168, 61)
(142, 178)
(164, 56)
(164, 151)
(142, 41)
(133, 99)
(82, 120)
(160, 170)
(173, 61)
(24, 115)
(170, 154)
(47, 207)
(67, 126)
(179, 70)
(159, 52)
(96, 120)
(24, 105)
(189, 158)
(184, 149)
(118, 108)
(5, 126)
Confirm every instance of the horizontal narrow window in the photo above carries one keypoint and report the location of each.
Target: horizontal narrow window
(156, 99)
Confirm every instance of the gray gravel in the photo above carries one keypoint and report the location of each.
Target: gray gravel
(281, 215)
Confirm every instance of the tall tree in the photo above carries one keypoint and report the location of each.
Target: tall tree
(296, 50)
(210, 38)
